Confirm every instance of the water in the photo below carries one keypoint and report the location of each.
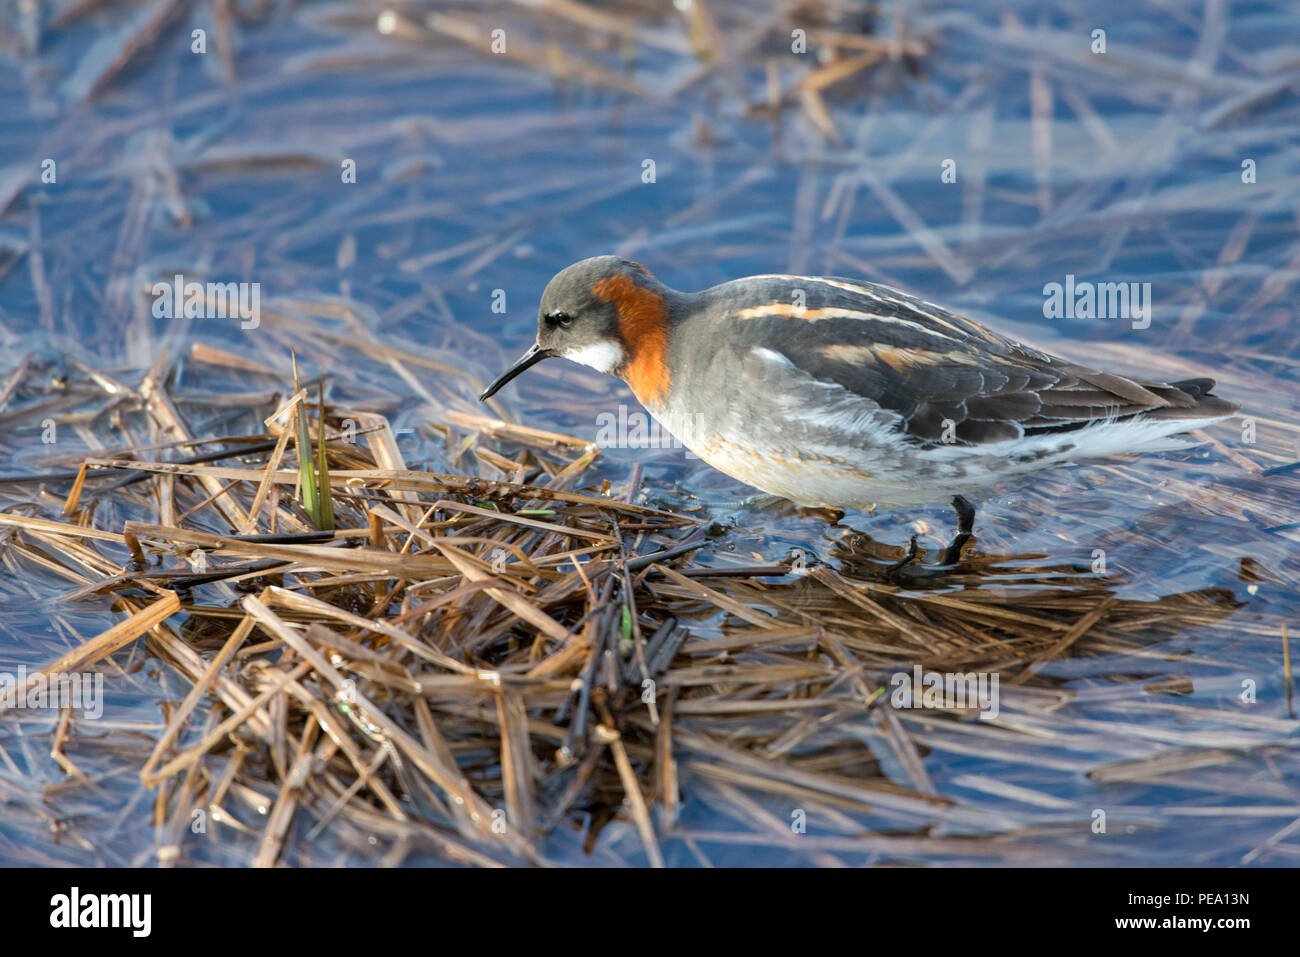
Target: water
(478, 177)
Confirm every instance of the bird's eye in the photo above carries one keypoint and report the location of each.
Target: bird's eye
(561, 319)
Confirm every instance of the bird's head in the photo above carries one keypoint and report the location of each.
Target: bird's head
(602, 312)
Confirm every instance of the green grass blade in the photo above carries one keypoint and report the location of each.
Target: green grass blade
(306, 474)
(326, 522)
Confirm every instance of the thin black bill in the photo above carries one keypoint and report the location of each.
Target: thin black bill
(529, 359)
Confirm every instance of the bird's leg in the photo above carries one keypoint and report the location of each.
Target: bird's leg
(911, 553)
(965, 526)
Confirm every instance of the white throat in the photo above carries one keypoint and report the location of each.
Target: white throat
(604, 356)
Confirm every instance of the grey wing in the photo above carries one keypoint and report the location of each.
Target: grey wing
(948, 378)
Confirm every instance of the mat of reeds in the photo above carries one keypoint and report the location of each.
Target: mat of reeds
(487, 669)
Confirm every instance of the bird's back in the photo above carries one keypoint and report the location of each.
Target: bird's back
(861, 376)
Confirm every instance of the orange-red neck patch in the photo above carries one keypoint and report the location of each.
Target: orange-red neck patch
(643, 326)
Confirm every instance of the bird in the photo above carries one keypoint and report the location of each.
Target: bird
(839, 393)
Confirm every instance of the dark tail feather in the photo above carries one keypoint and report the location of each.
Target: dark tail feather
(1189, 399)
(1203, 405)
(1194, 387)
